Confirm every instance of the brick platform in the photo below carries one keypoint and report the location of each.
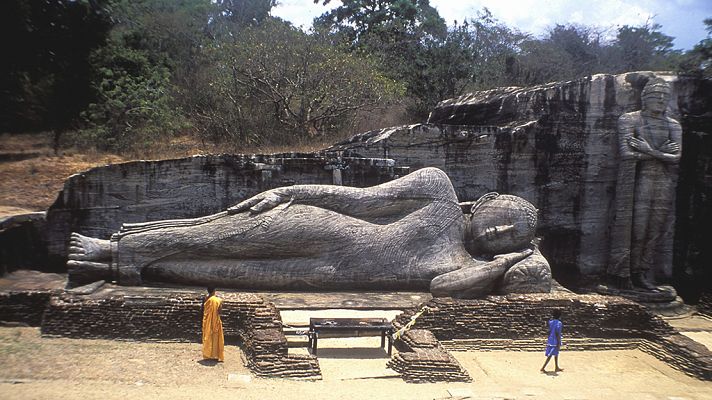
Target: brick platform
(421, 359)
(168, 315)
(591, 322)
(513, 322)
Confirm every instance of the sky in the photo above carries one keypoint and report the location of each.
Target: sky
(681, 19)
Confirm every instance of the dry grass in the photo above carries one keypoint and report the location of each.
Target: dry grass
(32, 184)
(31, 175)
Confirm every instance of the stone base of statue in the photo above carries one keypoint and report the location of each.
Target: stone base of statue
(661, 294)
(670, 309)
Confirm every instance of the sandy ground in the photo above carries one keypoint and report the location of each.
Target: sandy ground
(34, 367)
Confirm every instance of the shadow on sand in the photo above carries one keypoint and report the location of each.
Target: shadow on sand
(352, 353)
(208, 363)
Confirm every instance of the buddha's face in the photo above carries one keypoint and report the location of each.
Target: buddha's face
(655, 102)
(499, 226)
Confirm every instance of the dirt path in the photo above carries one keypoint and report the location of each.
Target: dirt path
(34, 367)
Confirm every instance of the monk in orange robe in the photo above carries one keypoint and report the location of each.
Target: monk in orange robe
(213, 340)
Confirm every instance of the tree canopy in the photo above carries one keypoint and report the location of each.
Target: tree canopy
(123, 74)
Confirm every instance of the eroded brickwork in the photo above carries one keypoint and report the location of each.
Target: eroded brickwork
(591, 322)
(176, 316)
(421, 358)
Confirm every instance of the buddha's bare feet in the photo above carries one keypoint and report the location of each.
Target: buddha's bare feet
(83, 248)
(84, 272)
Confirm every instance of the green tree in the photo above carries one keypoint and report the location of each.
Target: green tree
(567, 52)
(642, 48)
(494, 47)
(277, 80)
(242, 12)
(698, 61)
(44, 72)
(404, 35)
(134, 107)
(138, 75)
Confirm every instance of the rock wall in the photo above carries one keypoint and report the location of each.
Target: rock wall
(21, 244)
(556, 146)
(96, 202)
(553, 144)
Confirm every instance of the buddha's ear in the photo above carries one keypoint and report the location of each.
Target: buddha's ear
(505, 228)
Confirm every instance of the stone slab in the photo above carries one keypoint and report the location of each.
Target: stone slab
(346, 300)
(32, 280)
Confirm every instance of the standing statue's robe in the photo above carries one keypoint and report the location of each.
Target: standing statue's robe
(641, 231)
(213, 340)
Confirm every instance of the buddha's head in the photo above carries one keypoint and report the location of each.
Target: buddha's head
(501, 224)
(655, 96)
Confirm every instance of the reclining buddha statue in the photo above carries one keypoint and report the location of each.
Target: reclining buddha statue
(407, 234)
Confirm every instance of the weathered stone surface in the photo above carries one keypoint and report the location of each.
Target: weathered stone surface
(649, 149)
(98, 201)
(88, 288)
(556, 146)
(421, 359)
(409, 233)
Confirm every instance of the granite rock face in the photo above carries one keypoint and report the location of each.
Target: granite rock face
(96, 202)
(556, 146)
(409, 233)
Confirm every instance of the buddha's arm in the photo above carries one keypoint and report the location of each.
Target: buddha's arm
(638, 148)
(671, 151)
(626, 137)
(400, 196)
(475, 280)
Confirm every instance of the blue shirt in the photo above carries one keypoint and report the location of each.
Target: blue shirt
(554, 332)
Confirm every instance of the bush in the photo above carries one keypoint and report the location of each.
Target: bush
(134, 106)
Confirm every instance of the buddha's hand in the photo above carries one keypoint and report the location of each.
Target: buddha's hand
(510, 259)
(640, 144)
(263, 202)
(476, 280)
(670, 147)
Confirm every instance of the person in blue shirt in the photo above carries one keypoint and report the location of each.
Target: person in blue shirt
(553, 343)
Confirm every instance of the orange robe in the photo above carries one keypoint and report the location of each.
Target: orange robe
(213, 341)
